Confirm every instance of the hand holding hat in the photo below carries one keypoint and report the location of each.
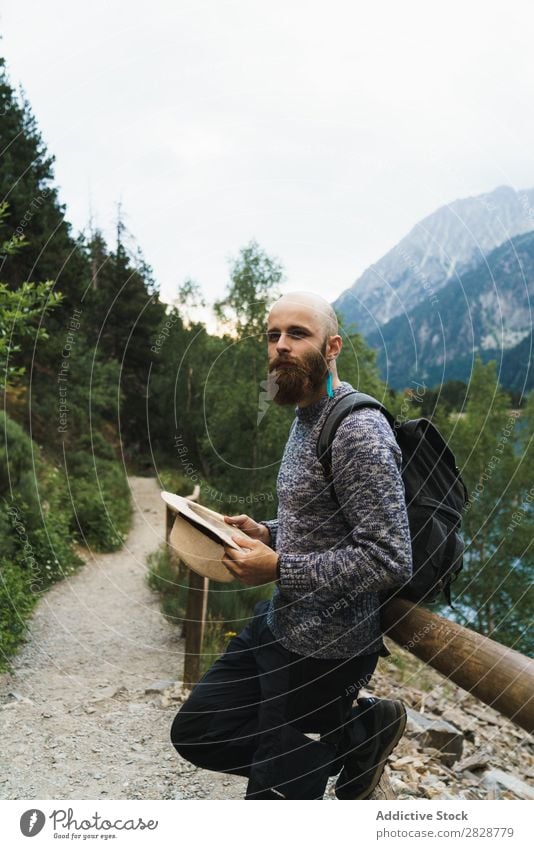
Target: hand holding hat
(203, 539)
(249, 526)
(254, 565)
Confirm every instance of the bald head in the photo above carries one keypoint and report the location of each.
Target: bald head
(317, 310)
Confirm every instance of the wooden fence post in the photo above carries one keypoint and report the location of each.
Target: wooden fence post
(197, 603)
(196, 609)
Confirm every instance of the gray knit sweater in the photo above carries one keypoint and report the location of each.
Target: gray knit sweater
(334, 562)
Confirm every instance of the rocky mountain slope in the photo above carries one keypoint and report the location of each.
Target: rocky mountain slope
(487, 309)
(452, 240)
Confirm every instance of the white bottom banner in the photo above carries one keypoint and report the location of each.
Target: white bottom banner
(237, 824)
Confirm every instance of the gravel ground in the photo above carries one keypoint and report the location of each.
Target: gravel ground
(87, 707)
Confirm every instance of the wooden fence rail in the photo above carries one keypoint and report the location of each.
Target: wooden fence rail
(497, 675)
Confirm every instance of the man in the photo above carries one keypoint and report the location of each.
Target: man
(298, 666)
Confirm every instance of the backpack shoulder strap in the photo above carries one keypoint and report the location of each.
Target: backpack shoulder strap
(346, 404)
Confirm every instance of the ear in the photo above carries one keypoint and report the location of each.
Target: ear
(333, 348)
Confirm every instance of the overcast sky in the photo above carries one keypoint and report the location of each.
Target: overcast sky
(324, 130)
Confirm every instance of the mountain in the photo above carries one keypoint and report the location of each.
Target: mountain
(487, 309)
(445, 244)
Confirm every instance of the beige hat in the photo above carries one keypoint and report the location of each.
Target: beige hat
(198, 535)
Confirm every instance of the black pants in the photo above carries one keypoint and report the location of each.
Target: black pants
(250, 713)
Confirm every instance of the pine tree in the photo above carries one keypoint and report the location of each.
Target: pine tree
(26, 182)
(124, 314)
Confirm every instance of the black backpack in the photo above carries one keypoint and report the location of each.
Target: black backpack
(436, 497)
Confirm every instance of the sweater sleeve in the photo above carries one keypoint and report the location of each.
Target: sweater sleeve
(272, 526)
(377, 552)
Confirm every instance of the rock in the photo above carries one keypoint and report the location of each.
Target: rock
(112, 692)
(483, 714)
(494, 778)
(458, 717)
(16, 701)
(160, 686)
(432, 787)
(436, 733)
(404, 761)
(399, 786)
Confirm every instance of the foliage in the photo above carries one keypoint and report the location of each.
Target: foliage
(98, 498)
(254, 284)
(19, 310)
(16, 603)
(493, 446)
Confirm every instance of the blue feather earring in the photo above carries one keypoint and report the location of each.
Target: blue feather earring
(329, 389)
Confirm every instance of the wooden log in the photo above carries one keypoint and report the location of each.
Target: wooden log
(497, 675)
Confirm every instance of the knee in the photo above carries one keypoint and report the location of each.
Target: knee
(186, 735)
(182, 730)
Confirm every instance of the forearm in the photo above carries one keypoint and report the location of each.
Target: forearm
(367, 567)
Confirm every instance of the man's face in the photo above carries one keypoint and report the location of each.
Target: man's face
(297, 356)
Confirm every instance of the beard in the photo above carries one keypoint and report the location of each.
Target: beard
(295, 380)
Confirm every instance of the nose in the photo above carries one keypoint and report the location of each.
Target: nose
(283, 343)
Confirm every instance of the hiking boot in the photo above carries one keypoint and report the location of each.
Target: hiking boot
(364, 764)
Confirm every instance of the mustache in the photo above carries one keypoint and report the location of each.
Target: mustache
(279, 362)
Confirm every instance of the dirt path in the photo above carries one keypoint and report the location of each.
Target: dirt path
(86, 711)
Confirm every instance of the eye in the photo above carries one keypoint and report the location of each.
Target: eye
(272, 336)
(297, 334)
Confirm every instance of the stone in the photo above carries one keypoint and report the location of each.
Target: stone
(14, 695)
(494, 778)
(478, 760)
(160, 686)
(112, 692)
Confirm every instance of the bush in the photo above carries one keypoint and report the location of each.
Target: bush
(16, 602)
(20, 465)
(43, 552)
(97, 496)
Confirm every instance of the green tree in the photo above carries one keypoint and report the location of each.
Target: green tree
(254, 285)
(20, 312)
(243, 434)
(357, 365)
(124, 314)
(35, 213)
